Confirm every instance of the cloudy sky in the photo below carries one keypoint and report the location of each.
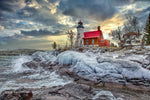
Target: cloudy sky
(38, 23)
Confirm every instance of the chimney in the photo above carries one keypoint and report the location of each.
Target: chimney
(98, 28)
(138, 32)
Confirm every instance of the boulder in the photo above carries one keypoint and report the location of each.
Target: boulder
(31, 64)
(37, 60)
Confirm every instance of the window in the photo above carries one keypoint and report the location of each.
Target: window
(137, 41)
(92, 41)
(132, 37)
(87, 42)
(128, 42)
(102, 41)
(81, 42)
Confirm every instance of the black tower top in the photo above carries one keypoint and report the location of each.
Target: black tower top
(80, 24)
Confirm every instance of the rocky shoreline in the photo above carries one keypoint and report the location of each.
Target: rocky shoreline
(74, 91)
(83, 88)
(133, 84)
(140, 84)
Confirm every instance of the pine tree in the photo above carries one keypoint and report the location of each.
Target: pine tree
(147, 30)
(54, 45)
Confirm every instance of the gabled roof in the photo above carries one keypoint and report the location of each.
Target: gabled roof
(92, 34)
(131, 33)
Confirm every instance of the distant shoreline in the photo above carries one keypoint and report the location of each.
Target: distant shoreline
(18, 52)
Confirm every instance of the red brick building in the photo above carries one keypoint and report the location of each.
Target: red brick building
(95, 38)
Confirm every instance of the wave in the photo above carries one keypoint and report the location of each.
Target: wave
(18, 75)
(17, 64)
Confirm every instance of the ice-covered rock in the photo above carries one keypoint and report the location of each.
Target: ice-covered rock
(70, 57)
(147, 47)
(44, 56)
(41, 59)
(107, 95)
(102, 68)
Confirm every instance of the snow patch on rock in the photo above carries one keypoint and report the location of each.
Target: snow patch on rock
(106, 94)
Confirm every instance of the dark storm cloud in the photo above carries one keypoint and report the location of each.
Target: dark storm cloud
(145, 10)
(13, 37)
(22, 10)
(5, 5)
(93, 9)
(51, 1)
(11, 5)
(96, 9)
(41, 14)
(143, 15)
(8, 9)
(88, 8)
(39, 33)
(6, 39)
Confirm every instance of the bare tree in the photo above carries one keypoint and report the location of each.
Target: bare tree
(116, 34)
(71, 36)
(131, 25)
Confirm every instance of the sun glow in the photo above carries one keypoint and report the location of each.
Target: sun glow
(112, 23)
(59, 39)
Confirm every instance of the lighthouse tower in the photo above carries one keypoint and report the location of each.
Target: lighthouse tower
(80, 34)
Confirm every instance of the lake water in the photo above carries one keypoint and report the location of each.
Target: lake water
(13, 75)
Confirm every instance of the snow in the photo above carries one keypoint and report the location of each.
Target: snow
(148, 47)
(99, 67)
(107, 94)
(137, 58)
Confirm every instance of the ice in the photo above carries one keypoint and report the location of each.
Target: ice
(139, 58)
(70, 57)
(37, 80)
(106, 94)
(100, 67)
(44, 56)
(148, 47)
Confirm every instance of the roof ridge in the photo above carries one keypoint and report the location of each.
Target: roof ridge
(92, 31)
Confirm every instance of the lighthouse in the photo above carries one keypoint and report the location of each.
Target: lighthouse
(80, 34)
